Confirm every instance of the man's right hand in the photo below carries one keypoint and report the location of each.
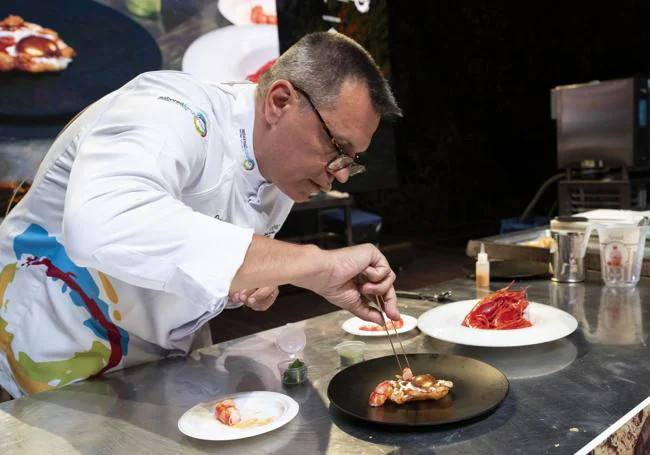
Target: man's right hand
(350, 276)
(347, 277)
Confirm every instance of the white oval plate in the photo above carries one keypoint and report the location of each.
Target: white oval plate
(231, 53)
(444, 323)
(239, 11)
(200, 421)
(352, 326)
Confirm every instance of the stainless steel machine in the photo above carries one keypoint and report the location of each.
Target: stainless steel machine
(602, 144)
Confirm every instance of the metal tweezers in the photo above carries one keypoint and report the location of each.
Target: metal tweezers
(380, 304)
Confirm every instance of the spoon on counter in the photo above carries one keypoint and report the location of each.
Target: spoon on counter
(436, 297)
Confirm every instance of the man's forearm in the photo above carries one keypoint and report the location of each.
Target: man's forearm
(270, 262)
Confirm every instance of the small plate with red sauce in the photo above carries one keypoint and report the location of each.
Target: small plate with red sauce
(357, 326)
(445, 322)
(260, 411)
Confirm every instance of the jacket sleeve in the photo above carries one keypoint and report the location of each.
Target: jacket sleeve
(123, 211)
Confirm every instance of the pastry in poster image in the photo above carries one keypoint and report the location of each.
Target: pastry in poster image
(28, 47)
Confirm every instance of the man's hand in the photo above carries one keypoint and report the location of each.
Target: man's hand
(347, 277)
(352, 276)
(259, 299)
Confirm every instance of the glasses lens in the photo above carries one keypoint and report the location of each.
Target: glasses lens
(357, 169)
(340, 162)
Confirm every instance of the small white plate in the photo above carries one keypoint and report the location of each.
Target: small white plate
(231, 53)
(445, 323)
(239, 11)
(353, 325)
(200, 421)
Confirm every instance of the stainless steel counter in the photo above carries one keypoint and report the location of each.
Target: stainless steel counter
(562, 394)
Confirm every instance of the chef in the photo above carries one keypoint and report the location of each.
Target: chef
(156, 208)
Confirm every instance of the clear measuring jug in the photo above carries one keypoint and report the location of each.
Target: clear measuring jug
(622, 246)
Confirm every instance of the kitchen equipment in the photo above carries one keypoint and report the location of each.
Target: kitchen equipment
(568, 249)
(602, 121)
(622, 246)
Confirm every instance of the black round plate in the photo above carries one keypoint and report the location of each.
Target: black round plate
(478, 389)
(111, 50)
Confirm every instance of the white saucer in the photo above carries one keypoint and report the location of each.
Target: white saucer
(200, 421)
(239, 11)
(353, 325)
(445, 323)
(231, 53)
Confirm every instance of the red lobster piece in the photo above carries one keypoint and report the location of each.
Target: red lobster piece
(500, 310)
(227, 413)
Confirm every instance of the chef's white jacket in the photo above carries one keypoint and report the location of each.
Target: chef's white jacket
(134, 227)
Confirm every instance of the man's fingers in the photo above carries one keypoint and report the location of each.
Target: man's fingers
(390, 304)
(381, 287)
(239, 296)
(262, 298)
(376, 274)
(366, 312)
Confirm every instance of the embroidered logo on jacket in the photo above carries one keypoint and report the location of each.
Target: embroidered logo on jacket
(248, 162)
(201, 124)
(200, 120)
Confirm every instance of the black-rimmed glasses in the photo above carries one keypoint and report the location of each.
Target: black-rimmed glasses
(342, 160)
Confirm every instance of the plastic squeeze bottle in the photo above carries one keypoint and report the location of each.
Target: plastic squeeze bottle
(482, 269)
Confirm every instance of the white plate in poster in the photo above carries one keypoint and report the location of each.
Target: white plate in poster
(239, 11)
(229, 54)
(353, 326)
(200, 422)
(445, 323)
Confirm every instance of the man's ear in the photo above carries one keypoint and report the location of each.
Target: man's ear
(279, 99)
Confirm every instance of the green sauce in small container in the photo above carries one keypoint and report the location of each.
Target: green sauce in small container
(293, 371)
(350, 352)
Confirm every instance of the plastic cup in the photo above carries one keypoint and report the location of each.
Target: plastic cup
(291, 340)
(292, 376)
(350, 352)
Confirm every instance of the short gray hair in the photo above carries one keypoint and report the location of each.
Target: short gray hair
(320, 62)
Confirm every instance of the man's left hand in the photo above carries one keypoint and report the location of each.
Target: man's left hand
(259, 299)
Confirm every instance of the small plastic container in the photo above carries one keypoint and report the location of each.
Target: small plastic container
(350, 352)
(292, 375)
(291, 340)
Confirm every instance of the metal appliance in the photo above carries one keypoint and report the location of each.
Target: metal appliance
(603, 144)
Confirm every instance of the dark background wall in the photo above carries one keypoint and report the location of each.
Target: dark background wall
(477, 139)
